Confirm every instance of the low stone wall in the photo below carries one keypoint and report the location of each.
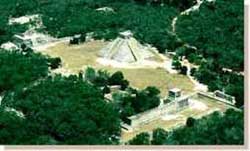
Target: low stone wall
(169, 108)
(214, 97)
(150, 115)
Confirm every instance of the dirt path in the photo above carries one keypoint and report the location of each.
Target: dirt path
(186, 12)
(197, 85)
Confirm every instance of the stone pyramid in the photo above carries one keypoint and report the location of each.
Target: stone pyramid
(127, 49)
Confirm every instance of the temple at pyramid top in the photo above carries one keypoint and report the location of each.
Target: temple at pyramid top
(127, 49)
(126, 34)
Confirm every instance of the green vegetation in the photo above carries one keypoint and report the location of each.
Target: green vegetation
(65, 111)
(136, 101)
(159, 136)
(217, 33)
(150, 23)
(214, 129)
(118, 79)
(13, 8)
(190, 122)
(19, 70)
(55, 62)
(102, 78)
(11, 126)
(44, 109)
(140, 139)
(216, 79)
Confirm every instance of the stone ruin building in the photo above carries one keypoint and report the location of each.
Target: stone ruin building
(126, 49)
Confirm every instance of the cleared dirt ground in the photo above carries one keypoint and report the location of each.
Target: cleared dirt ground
(77, 57)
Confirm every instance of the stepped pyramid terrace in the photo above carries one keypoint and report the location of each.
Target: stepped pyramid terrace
(126, 49)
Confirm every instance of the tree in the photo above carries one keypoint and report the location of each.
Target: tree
(102, 78)
(90, 74)
(140, 139)
(192, 71)
(106, 90)
(74, 41)
(152, 91)
(12, 128)
(55, 62)
(183, 70)
(190, 122)
(116, 78)
(124, 84)
(159, 136)
(135, 101)
(146, 99)
(176, 64)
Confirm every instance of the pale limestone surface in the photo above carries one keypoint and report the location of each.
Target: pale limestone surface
(126, 49)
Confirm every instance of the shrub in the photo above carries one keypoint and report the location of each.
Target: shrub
(192, 71)
(140, 139)
(190, 122)
(116, 78)
(183, 70)
(55, 62)
(176, 64)
(106, 90)
(159, 136)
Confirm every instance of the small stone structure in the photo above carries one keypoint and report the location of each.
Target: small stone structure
(89, 37)
(25, 19)
(32, 38)
(115, 88)
(176, 104)
(20, 40)
(9, 46)
(105, 9)
(174, 94)
(219, 96)
(227, 97)
(76, 39)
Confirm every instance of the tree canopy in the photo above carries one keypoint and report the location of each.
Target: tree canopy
(136, 101)
(65, 110)
(18, 69)
(216, 31)
(140, 139)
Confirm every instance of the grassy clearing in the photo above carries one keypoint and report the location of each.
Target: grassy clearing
(77, 57)
(144, 77)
